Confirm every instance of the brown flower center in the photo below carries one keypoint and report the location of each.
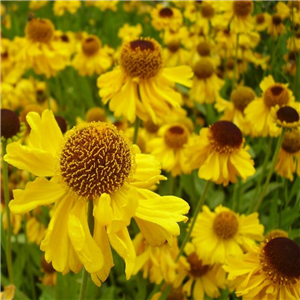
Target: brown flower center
(280, 259)
(95, 159)
(241, 97)
(90, 45)
(62, 123)
(141, 58)
(291, 141)
(276, 94)
(260, 18)
(276, 20)
(10, 123)
(225, 137)
(242, 8)
(47, 267)
(287, 114)
(150, 126)
(176, 294)
(39, 30)
(173, 46)
(207, 11)
(203, 69)
(275, 233)
(225, 225)
(203, 49)
(176, 136)
(166, 12)
(197, 269)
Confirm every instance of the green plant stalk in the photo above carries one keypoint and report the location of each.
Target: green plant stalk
(136, 130)
(274, 160)
(264, 166)
(194, 218)
(85, 274)
(9, 229)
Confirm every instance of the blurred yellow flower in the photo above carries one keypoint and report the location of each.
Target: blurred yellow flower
(219, 154)
(38, 49)
(222, 233)
(258, 112)
(288, 161)
(92, 57)
(61, 7)
(141, 86)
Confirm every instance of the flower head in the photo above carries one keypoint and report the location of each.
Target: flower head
(271, 271)
(223, 233)
(93, 163)
(258, 112)
(140, 85)
(219, 154)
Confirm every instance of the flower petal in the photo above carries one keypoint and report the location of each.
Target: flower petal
(56, 244)
(35, 161)
(89, 253)
(36, 193)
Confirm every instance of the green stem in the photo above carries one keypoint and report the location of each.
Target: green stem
(274, 160)
(235, 60)
(194, 218)
(6, 198)
(85, 274)
(236, 190)
(136, 130)
(262, 174)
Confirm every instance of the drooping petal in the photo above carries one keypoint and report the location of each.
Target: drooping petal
(56, 243)
(122, 243)
(103, 212)
(88, 251)
(180, 74)
(36, 193)
(162, 211)
(32, 160)
(101, 238)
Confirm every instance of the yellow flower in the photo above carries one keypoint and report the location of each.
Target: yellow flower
(35, 230)
(92, 58)
(275, 24)
(271, 271)
(237, 14)
(141, 69)
(169, 149)
(206, 84)
(219, 154)
(105, 5)
(128, 33)
(234, 109)
(157, 263)
(38, 49)
(92, 162)
(223, 233)
(286, 116)
(258, 112)
(288, 161)
(60, 7)
(164, 17)
(261, 21)
(202, 278)
(8, 293)
(35, 5)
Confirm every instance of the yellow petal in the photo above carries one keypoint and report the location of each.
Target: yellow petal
(103, 212)
(122, 243)
(101, 238)
(45, 133)
(180, 74)
(164, 211)
(36, 193)
(56, 243)
(89, 253)
(32, 160)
